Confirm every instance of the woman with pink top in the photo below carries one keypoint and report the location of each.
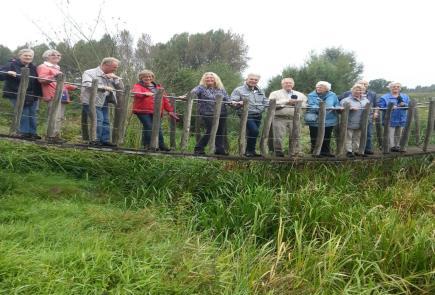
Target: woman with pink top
(47, 72)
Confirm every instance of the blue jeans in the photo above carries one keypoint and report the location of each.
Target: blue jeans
(29, 117)
(103, 123)
(369, 146)
(147, 126)
(252, 131)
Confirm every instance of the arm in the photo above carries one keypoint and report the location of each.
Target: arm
(44, 73)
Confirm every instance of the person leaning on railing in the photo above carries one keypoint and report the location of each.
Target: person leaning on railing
(286, 98)
(28, 123)
(322, 93)
(108, 82)
(209, 87)
(398, 115)
(47, 72)
(357, 102)
(257, 103)
(143, 107)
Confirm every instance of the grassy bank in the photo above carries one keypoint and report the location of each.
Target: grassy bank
(89, 223)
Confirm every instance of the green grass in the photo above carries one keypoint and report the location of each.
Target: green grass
(74, 222)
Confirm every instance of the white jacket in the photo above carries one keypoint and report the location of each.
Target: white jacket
(283, 109)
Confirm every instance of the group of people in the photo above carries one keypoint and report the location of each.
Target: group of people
(210, 86)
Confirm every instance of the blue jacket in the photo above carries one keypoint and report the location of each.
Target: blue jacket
(331, 101)
(398, 116)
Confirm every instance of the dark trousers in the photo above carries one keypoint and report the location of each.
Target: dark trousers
(326, 140)
(369, 146)
(147, 126)
(219, 143)
(252, 131)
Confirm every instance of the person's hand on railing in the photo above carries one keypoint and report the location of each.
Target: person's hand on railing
(236, 103)
(174, 116)
(12, 73)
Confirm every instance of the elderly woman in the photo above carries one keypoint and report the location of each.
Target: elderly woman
(47, 72)
(209, 87)
(143, 107)
(398, 116)
(28, 123)
(357, 102)
(322, 93)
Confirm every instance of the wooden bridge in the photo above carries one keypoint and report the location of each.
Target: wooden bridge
(422, 146)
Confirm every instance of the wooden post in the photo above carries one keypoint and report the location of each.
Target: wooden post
(156, 119)
(93, 111)
(266, 127)
(320, 129)
(121, 110)
(172, 126)
(386, 139)
(407, 130)
(21, 97)
(294, 142)
(215, 122)
(187, 120)
(365, 117)
(430, 125)
(378, 126)
(55, 105)
(197, 123)
(342, 134)
(243, 120)
(417, 126)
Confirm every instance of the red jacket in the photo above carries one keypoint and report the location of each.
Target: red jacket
(144, 104)
(49, 71)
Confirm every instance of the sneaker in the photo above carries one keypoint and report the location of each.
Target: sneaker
(198, 152)
(95, 143)
(279, 154)
(252, 154)
(108, 144)
(221, 153)
(368, 152)
(350, 155)
(164, 149)
(34, 136)
(395, 149)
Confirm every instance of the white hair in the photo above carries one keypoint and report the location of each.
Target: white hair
(393, 84)
(324, 83)
(253, 75)
(49, 52)
(25, 50)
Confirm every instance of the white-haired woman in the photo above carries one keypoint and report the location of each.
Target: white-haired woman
(322, 93)
(47, 72)
(398, 116)
(209, 87)
(28, 123)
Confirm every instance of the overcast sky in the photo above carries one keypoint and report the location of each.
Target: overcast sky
(393, 39)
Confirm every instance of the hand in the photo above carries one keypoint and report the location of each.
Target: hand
(148, 94)
(174, 116)
(375, 115)
(112, 76)
(183, 97)
(107, 88)
(12, 73)
(237, 103)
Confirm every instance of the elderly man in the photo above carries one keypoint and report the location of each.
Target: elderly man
(108, 82)
(371, 96)
(257, 103)
(286, 99)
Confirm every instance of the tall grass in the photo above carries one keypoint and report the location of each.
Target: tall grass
(94, 223)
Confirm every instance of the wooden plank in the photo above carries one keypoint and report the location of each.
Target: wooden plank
(365, 117)
(320, 128)
(243, 120)
(55, 105)
(344, 121)
(172, 126)
(21, 97)
(430, 125)
(215, 122)
(294, 142)
(93, 111)
(154, 145)
(386, 137)
(197, 123)
(120, 121)
(417, 126)
(186, 122)
(407, 130)
(266, 127)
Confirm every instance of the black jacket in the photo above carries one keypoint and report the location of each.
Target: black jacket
(10, 87)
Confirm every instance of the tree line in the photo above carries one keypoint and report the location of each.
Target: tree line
(180, 62)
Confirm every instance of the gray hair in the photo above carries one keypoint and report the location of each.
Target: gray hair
(253, 75)
(394, 83)
(26, 50)
(324, 83)
(109, 61)
(49, 52)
